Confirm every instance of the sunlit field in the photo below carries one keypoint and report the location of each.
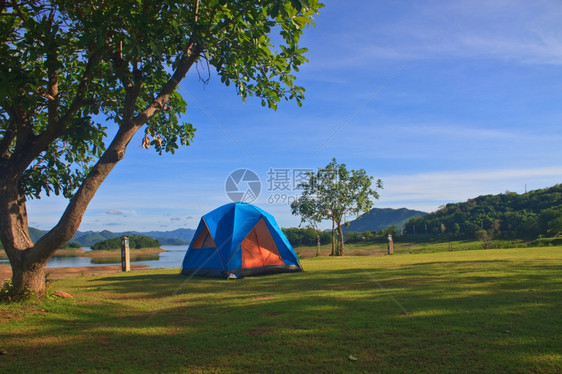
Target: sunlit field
(460, 311)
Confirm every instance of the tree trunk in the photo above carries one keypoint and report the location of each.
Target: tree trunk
(318, 243)
(28, 265)
(28, 272)
(340, 245)
(333, 240)
(28, 260)
(28, 279)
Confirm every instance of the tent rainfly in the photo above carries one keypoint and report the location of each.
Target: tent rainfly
(239, 239)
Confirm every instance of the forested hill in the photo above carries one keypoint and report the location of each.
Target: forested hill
(378, 219)
(135, 241)
(507, 215)
(89, 238)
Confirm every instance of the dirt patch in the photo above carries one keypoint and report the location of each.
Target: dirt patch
(270, 314)
(265, 298)
(310, 253)
(8, 316)
(260, 332)
(117, 252)
(59, 273)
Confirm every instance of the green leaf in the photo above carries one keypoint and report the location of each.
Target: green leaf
(136, 43)
(296, 4)
(275, 10)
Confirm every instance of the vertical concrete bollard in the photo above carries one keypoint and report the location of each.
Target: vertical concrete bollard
(125, 254)
(390, 245)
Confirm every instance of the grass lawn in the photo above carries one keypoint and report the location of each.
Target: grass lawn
(446, 312)
(377, 249)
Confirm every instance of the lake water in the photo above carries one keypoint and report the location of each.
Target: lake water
(171, 258)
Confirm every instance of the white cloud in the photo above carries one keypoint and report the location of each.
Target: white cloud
(545, 49)
(514, 30)
(114, 212)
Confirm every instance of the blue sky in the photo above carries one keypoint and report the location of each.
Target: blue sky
(443, 101)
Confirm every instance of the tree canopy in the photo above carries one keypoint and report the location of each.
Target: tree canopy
(135, 241)
(78, 79)
(505, 216)
(334, 192)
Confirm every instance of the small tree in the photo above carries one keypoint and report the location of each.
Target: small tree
(334, 193)
(311, 215)
(485, 238)
(70, 69)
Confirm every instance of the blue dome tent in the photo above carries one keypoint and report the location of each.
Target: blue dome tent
(239, 239)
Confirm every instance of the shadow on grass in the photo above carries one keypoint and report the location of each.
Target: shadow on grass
(465, 316)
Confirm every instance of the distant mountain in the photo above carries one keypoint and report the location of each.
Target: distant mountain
(35, 234)
(182, 234)
(89, 238)
(175, 237)
(380, 218)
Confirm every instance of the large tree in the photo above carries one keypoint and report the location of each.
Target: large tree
(333, 193)
(72, 72)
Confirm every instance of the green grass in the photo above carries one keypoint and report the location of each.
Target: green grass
(461, 311)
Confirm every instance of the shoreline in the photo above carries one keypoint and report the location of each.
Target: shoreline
(96, 253)
(105, 252)
(72, 272)
(77, 271)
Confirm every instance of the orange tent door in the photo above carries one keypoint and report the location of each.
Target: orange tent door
(204, 239)
(259, 248)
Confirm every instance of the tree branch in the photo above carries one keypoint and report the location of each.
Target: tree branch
(23, 128)
(6, 141)
(78, 100)
(159, 103)
(28, 145)
(121, 69)
(196, 10)
(18, 11)
(73, 214)
(43, 93)
(53, 83)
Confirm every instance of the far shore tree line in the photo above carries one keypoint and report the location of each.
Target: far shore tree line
(135, 242)
(306, 236)
(504, 216)
(510, 219)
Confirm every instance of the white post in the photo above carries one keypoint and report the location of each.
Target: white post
(125, 254)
